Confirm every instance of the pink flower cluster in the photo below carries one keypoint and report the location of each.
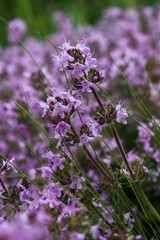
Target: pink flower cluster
(56, 120)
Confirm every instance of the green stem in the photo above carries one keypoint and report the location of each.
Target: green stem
(148, 204)
(101, 216)
(97, 164)
(140, 191)
(133, 214)
(90, 155)
(123, 154)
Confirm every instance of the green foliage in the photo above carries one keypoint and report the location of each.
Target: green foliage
(37, 13)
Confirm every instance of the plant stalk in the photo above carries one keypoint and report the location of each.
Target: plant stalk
(97, 164)
(91, 157)
(133, 214)
(123, 154)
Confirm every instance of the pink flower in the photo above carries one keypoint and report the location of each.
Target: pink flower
(128, 219)
(76, 182)
(45, 107)
(62, 128)
(84, 139)
(24, 195)
(55, 161)
(19, 28)
(121, 114)
(46, 172)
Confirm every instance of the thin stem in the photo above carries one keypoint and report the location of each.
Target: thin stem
(101, 216)
(141, 193)
(116, 136)
(133, 214)
(79, 116)
(137, 187)
(66, 77)
(123, 154)
(98, 99)
(90, 155)
(147, 202)
(96, 164)
(4, 187)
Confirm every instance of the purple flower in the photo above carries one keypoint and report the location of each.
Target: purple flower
(24, 195)
(45, 107)
(50, 194)
(62, 128)
(46, 172)
(85, 139)
(68, 210)
(61, 103)
(94, 128)
(77, 61)
(121, 114)
(145, 136)
(60, 109)
(55, 161)
(76, 182)
(156, 155)
(19, 28)
(132, 157)
(138, 237)
(6, 166)
(77, 236)
(128, 219)
(1, 214)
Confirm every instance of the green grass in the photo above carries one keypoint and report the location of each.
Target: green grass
(37, 13)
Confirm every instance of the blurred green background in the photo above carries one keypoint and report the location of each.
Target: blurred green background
(37, 13)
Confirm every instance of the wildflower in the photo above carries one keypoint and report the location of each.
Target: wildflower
(45, 107)
(138, 237)
(76, 182)
(19, 27)
(145, 133)
(55, 161)
(24, 195)
(77, 236)
(50, 195)
(6, 166)
(80, 66)
(60, 104)
(62, 128)
(121, 114)
(46, 172)
(94, 128)
(85, 139)
(128, 219)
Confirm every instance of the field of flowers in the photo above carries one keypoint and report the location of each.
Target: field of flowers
(80, 129)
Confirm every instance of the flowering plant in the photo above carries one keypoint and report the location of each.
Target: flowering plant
(74, 163)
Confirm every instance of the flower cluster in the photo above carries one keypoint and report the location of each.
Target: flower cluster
(63, 170)
(111, 113)
(79, 65)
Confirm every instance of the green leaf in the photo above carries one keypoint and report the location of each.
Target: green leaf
(140, 180)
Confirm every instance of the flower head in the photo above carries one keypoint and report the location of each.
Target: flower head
(19, 28)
